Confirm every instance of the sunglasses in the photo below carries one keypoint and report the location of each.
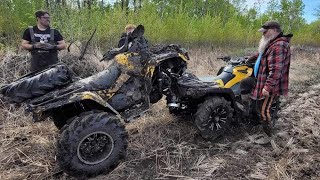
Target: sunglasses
(45, 17)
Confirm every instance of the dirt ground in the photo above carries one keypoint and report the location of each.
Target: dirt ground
(162, 146)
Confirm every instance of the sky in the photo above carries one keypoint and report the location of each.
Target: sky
(309, 8)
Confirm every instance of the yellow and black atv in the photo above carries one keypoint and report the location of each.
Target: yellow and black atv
(217, 101)
(91, 112)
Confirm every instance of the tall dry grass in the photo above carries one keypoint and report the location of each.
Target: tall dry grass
(162, 146)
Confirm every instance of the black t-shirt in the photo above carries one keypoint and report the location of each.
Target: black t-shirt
(42, 35)
(41, 59)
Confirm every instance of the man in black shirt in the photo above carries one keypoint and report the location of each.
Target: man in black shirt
(43, 42)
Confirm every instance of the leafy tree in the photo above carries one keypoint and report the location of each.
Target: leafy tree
(317, 12)
(193, 22)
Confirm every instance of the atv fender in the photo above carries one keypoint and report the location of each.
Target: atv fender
(226, 93)
(195, 89)
(77, 98)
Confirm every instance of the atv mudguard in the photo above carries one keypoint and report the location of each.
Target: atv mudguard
(41, 112)
(195, 89)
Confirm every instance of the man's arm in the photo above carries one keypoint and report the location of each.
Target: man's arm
(26, 39)
(252, 59)
(61, 45)
(26, 45)
(59, 39)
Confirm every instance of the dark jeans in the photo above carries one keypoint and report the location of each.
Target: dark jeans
(262, 111)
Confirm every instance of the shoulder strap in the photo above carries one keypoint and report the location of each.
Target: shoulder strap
(33, 40)
(52, 35)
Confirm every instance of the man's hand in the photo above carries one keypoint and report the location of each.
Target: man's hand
(37, 45)
(251, 60)
(48, 46)
(265, 92)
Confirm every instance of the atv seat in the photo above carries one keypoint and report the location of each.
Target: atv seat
(101, 81)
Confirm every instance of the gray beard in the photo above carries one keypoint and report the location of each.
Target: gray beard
(264, 42)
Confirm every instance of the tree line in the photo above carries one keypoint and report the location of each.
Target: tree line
(187, 22)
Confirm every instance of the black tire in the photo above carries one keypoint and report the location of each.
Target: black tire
(213, 117)
(38, 84)
(77, 159)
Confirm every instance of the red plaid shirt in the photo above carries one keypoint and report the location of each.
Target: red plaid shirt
(273, 73)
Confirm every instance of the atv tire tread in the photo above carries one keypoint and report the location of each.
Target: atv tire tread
(204, 112)
(78, 128)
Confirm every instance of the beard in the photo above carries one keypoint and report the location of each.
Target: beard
(264, 42)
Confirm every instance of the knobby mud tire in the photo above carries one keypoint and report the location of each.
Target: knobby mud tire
(38, 85)
(79, 130)
(211, 111)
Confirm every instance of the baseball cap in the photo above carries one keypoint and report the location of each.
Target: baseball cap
(270, 25)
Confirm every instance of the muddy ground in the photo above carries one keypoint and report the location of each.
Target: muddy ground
(162, 146)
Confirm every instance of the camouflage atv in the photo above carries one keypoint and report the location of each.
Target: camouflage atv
(91, 112)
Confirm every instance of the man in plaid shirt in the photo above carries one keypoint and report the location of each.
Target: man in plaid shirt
(271, 71)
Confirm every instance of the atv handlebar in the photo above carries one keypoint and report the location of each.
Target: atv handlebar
(225, 58)
(237, 60)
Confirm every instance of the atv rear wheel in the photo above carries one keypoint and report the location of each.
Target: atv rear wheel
(213, 117)
(91, 145)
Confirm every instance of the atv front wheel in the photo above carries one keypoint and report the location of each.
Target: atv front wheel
(213, 117)
(91, 145)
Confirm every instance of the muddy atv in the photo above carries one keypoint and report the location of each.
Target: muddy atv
(215, 102)
(91, 112)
